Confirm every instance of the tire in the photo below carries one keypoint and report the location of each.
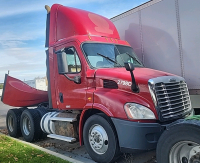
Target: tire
(30, 125)
(42, 111)
(100, 139)
(177, 141)
(22, 109)
(13, 122)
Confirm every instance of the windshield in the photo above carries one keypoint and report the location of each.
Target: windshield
(102, 55)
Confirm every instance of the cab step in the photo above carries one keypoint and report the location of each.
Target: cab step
(64, 138)
(62, 119)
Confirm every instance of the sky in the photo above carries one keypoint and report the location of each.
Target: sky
(22, 32)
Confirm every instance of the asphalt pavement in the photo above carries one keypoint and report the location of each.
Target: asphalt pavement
(3, 111)
(74, 150)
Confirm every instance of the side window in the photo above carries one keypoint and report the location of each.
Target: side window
(73, 61)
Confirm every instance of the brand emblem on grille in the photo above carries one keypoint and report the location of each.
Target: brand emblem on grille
(172, 80)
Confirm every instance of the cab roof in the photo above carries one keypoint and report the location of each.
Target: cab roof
(67, 21)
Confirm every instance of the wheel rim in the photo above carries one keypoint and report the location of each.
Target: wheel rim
(26, 126)
(98, 139)
(185, 152)
(10, 123)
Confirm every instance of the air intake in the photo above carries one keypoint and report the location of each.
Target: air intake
(110, 84)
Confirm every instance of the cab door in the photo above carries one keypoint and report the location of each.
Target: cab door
(71, 85)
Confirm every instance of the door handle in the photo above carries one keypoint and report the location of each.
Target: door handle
(61, 97)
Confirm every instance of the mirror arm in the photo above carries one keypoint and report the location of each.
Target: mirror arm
(134, 87)
(76, 79)
(130, 67)
(68, 77)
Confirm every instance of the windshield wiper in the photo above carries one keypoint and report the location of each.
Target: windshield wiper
(133, 57)
(107, 58)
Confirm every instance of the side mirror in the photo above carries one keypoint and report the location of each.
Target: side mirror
(63, 66)
(62, 62)
(129, 66)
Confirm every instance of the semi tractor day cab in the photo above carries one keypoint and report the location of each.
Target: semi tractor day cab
(99, 92)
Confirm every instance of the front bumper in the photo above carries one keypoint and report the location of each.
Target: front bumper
(135, 137)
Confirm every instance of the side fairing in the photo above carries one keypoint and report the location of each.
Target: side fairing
(17, 93)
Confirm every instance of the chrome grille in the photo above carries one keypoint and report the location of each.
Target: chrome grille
(172, 98)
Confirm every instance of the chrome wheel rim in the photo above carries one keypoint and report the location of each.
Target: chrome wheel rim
(11, 123)
(185, 152)
(98, 139)
(26, 125)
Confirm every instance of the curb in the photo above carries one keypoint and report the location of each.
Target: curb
(51, 152)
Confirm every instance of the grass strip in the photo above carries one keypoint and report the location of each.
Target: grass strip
(196, 117)
(14, 151)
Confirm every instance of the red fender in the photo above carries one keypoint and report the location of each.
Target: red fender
(95, 106)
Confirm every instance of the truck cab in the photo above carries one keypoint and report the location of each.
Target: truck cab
(99, 92)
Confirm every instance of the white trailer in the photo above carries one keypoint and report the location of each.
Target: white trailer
(165, 35)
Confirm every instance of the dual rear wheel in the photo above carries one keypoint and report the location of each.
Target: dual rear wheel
(25, 122)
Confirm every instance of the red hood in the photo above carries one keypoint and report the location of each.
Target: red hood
(142, 75)
(124, 93)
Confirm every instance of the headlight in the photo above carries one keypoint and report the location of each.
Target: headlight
(136, 111)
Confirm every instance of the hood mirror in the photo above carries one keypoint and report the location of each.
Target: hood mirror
(130, 67)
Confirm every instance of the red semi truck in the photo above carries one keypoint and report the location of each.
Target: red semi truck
(99, 92)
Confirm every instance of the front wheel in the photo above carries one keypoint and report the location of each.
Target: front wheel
(100, 139)
(180, 144)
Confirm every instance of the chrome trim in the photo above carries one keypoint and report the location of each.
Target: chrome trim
(170, 96)
(165, 79)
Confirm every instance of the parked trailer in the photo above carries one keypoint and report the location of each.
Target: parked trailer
(100, 94)
(165, 36)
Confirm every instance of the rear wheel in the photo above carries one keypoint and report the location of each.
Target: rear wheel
(42, 111)
(13, 122)
(30, 125)
(100, 139)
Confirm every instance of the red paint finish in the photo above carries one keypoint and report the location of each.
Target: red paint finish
(17, 93)
(81, 127)
(74, 95)
(66, 22)
(114, 99)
